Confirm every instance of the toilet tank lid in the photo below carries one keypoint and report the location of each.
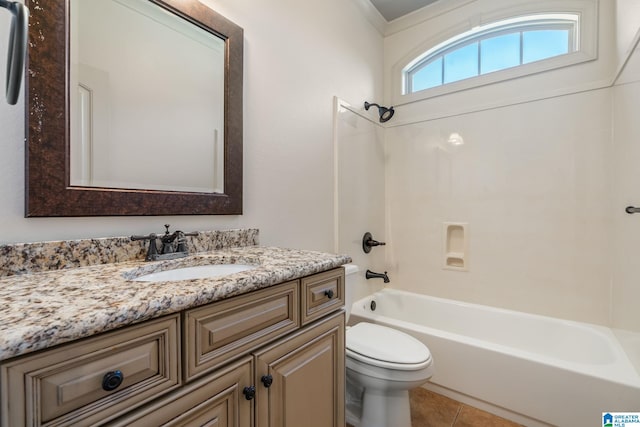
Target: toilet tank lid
(386, 344)
(350, 269)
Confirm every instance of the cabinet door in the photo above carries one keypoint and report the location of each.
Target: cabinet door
(214, 401)
(307, 373)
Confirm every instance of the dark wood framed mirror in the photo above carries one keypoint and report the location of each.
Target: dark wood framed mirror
(50, 191)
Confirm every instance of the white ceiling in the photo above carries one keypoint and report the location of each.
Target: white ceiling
(392, 9)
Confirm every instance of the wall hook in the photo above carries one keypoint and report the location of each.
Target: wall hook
(17, 47)
(632, 210)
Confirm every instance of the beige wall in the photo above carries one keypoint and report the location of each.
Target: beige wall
(627, 24)
(532, 182)
(626, 192)
(298, 55)
(360, 193)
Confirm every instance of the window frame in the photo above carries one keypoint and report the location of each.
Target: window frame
(461, 20)
(536, 22)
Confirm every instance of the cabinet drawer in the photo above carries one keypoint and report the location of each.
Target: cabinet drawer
(66, 385)
(218, 332)
(321, 294)
(216, 400)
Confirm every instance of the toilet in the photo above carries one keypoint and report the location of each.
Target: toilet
(383, 364)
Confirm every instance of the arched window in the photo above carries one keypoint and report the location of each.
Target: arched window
(497, 46)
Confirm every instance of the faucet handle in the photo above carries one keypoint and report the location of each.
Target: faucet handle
(181, 240)
(150, 236)
(152, 252)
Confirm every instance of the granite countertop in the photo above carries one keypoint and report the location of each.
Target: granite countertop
(44, 309)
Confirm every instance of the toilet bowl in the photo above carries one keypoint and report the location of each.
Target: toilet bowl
(383, 364)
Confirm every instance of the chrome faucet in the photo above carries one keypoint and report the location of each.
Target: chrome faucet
(174, 245)
(372, 275)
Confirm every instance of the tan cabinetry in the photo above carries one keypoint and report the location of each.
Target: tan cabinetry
(269, 358)
(217, 332)
(321, 294)
(305, 373)
(94, 380)
(217, 400)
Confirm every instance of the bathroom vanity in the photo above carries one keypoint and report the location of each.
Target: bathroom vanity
(263, 347)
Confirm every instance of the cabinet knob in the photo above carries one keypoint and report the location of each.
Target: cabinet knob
(112, 380)
(249, 392)
(329, 293)
(267, 380)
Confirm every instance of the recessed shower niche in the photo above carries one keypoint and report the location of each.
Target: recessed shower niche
(456, 246)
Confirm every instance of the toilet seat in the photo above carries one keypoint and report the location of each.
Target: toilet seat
(385, 347)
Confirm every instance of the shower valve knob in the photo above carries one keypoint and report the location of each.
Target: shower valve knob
(368, 242)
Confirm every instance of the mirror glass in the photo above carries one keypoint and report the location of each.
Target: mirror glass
(146, 99)
(134, 107)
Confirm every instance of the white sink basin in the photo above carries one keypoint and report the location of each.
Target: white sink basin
(199, 272)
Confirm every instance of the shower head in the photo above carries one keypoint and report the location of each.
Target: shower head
(384, 112)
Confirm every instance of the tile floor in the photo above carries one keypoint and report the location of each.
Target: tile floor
(429, 409)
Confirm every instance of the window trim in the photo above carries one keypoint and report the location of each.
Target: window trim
(587, 46)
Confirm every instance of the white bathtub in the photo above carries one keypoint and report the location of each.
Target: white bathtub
(551, 370)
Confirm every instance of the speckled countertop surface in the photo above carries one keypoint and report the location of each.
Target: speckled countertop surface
(40, 310)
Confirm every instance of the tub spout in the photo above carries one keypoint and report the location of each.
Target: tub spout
(372, 275)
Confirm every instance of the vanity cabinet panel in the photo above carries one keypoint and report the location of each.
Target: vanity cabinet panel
(216, 400)
(307, 370)
(322, 294)
(218, 332)
(93, 380)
